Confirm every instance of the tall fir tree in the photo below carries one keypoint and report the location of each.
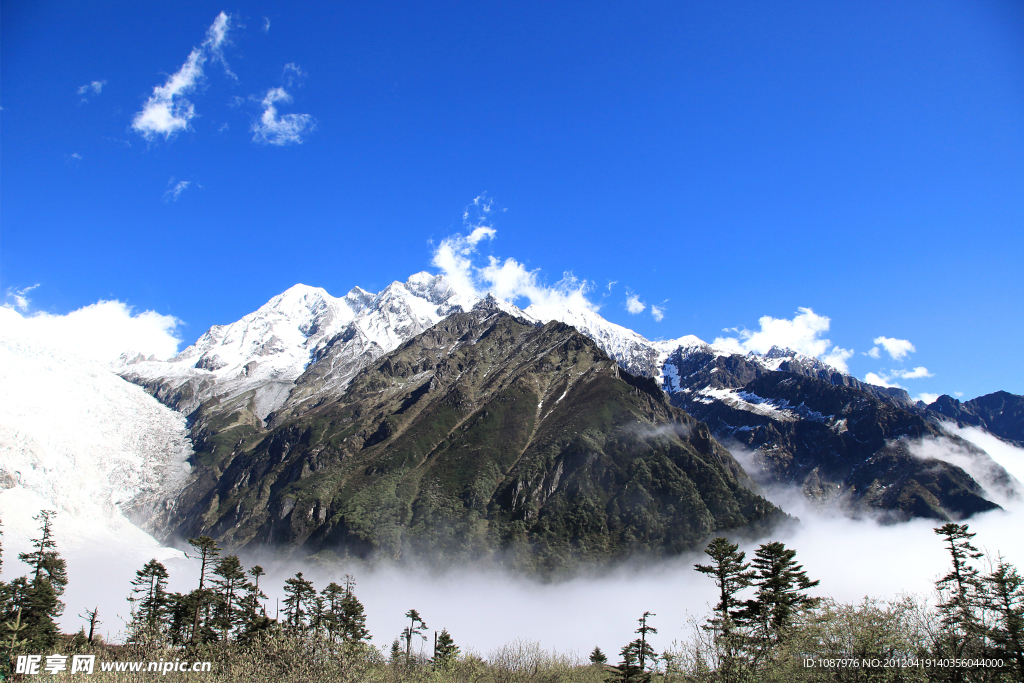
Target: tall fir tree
(731, 575)
(39, 598)
(961, 589)
(228, 587)
(150, 602)
(201, 599)
(298, 602)
(782, 587)
(1005, 598)
(445, 650)
(352, 622)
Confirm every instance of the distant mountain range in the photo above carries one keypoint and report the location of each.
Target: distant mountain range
(420, 420)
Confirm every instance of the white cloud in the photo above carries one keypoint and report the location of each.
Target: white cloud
(801, 334)
(634, 305)
(176, 189)
(266, 25)
(18, 298)
(926, 397)
(881, 380)
(658, 313)
(101, 331)
(915, 373)
(875, 352)
(508, 280)
(958, 394)
(167, 112)
(837, 357)
(93, 88)
(897, 348)
(272, 129)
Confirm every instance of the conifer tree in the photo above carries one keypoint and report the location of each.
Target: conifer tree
(731, 575)
(415, 628)
(628, 671)
(300, 596)
(645, 651)
(256, 619)
(781, 591)
(1005, 597)
(253, 595)
(445, 650)
(201, 599)
(332, 597)
(396, 652)
(40, 598)
(597, 657)
(150, 592)
(962, 589)
(352, 621)
(227, 588)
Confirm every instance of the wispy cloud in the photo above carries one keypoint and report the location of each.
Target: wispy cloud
(802, 334)
(916, 373)
(898, 349)
(288, 129)
(658, 313)
(18, 298)
(266, 25)
(926, 397)
(175, 189)
(93, 88)
(167, 112)
(508, 280)
(633, 304)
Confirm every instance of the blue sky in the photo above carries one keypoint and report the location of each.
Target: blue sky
(724, 161)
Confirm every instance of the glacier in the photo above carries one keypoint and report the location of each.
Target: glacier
(78, 439)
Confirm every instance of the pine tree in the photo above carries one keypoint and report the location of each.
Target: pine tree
(628, 671)
(731, 575)
(597, 657)
(645, 651)
(781, 591)
(40, 598)
(1005, 597)
(445, 650)
(352, 622)
(150, 592)
(227, 588)
(300, 596)
(962, 589)
(415, 628)
(396, 653)
(201, 598)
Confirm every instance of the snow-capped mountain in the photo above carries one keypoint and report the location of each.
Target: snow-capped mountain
(305, 343)
(258, 359)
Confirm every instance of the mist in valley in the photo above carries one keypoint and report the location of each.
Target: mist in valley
(486, 609)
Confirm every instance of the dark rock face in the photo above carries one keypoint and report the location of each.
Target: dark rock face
(834, 441)
(483, 438)
(1001, 413)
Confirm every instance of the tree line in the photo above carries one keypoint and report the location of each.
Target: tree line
(765, 617)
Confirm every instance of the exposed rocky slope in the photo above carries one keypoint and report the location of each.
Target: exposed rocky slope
(486, 437)
(834, 438)
(305, 347)
(1001, 413)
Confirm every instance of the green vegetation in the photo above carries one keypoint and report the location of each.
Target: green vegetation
(484, 440)
(766, 626)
